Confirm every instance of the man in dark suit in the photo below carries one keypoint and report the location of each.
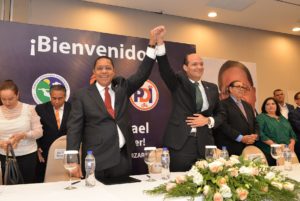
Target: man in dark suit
(285, 108)
(196, 109)
(54, 115)
(99, 116)
(239, 127)
(294, 118)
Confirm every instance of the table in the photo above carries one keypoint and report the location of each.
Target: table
(293, 174)
(55, 191)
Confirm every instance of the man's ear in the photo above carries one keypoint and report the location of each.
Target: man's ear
(184, 67)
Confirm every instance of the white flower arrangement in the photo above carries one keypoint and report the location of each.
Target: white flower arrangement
(231, 180)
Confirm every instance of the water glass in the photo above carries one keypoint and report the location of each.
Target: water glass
(210, 152)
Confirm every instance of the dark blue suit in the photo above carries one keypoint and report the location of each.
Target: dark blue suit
(177, 133)
(50, 131)
(294, 119)
(235, 123)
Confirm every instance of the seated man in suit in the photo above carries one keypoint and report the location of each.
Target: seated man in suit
(54, 115)
(239, 127)
(196, 109)
(294, 119)
(99, 117)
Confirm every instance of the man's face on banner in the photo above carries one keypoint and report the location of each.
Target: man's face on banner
(236, 73)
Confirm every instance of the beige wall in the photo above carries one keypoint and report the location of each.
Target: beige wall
(277, 55)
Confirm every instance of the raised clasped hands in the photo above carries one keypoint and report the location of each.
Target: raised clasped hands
(157, 35)
(198, 120)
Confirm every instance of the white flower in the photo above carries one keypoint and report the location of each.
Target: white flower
(245, 170)
(206, 190)
(270, 176)
(197, 176)
(215, 166)
(234, 159)
(277, 184)
(234, 172)
(221, 160)
(202, 164)
(248, 170)
(225, 191)
(288, 186)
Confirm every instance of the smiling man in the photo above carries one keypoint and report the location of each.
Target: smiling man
(99, 118)
(196, 109)
(240, 127)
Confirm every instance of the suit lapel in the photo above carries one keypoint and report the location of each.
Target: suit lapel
(239, 110)
(95, 95)
(118, 97)
(207, 93)
(190, 91)
(65, 115)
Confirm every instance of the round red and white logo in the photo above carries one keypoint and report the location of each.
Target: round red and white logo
(146, 97)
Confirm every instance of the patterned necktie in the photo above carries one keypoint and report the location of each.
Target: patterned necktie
(57, 118)
(199, 98)
(107, 101)
(240, 105)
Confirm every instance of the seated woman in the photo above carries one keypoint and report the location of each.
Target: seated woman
(19, 126)
(274, 129)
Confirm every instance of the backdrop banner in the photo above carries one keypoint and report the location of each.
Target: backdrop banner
(36, 57)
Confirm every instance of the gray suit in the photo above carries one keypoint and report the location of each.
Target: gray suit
(91, 124)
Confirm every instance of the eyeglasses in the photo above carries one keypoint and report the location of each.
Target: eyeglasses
(242, 88)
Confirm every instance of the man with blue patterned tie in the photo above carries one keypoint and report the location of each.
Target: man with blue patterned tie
(239, 128)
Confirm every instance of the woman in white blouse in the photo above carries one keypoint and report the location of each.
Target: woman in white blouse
(20, 126)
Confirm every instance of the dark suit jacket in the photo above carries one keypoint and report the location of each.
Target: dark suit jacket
(235, 124)
(91, 124)
(294, 119)
(290, 107)
(184, 105)
(50, 129)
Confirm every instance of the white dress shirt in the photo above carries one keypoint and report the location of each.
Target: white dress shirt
(101, 90)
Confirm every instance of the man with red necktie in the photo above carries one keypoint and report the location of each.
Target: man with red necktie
(99, 118)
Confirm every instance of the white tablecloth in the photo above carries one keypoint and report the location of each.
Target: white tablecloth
(123, 192)
(293, 174)
(55, 191)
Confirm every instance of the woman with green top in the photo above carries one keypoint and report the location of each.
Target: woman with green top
(274, 129)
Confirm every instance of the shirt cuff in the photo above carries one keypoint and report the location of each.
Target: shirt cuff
(160, 50)
(239, 138)
(151, 53)
(211, 122)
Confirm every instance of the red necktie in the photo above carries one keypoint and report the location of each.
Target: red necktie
(107, 101)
